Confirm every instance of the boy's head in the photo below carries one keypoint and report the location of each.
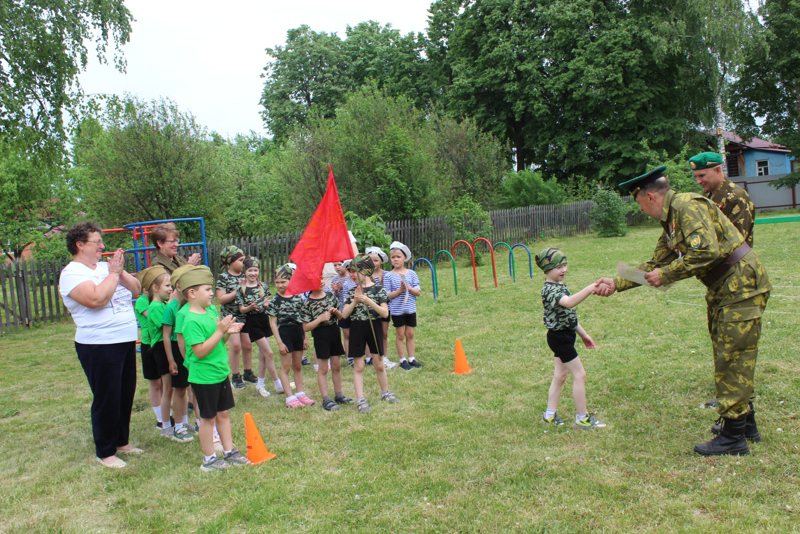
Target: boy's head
(282, 277)
(550, 258)
(340, 269)
(362, 264)
(198, 286)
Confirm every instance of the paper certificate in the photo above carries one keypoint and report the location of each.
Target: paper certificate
(632, 274)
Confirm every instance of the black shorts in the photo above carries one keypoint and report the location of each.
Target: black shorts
(292, 336)
(363, 335)
(344, 323)
(327, 341)
(181, 380)
(210, 399)
(160, 356)
(407, 319)
(256, 326)
(562, 343)
(149, 367)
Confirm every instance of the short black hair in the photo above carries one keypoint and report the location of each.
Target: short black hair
(80, 234)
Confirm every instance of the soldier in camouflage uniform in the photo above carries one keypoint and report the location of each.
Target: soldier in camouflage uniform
(698, 240)
(731, 199)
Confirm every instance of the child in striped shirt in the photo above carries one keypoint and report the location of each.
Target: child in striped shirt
(403, 288)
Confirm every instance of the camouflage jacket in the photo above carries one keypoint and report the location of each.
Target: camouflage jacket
(286, 309)
(313, 308)
(556, 316)
(735, 203)
(247, 295)
(362, 312)
(697, 237)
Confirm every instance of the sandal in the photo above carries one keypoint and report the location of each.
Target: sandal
(329, 405)
(363, 407)
(341, 399)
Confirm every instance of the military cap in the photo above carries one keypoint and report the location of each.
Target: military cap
(178, 272)
(705, 160)
(633, 186)
(362, 264)
(285, 272)
(148, 276)
(550, 258)
(230, 254)
(196, 276)
(250, 262)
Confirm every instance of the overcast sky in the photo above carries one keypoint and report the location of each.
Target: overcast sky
(208, 56)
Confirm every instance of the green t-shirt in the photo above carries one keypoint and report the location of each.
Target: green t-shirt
(168, 318)
(139, 308)
(180, 317)
(154, 313)
(214, 368)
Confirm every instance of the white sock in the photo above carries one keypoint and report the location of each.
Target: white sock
(185, 420)
(403, 359)
(549, 414)
(277, 383)
(207, 459)
(166, 424)
(178, 426)
(260, 383)
(300, 394)
(157, 410)
(293, 397)
(580, 416)
(227, 452)
(411, 359)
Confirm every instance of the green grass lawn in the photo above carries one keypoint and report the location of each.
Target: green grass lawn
(458, 453)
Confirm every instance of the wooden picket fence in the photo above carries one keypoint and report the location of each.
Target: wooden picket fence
(30, 290)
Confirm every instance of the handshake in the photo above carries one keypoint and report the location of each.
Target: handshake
(604, 287)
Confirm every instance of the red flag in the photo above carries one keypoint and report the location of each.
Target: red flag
(324, 240)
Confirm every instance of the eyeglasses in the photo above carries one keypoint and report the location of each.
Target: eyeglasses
(98, 242)
(176, 241)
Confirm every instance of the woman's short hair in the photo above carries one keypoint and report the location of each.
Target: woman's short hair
(80, 234)
(163, 232)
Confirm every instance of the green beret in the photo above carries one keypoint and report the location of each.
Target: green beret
(363, 264)
(633, 186)
(550, 258)
(173, 279)
(250, 262)
(196, 276)
(705, 160)
(148, 276)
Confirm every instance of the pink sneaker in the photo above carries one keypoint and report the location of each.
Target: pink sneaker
(305, 400)
(294, 403)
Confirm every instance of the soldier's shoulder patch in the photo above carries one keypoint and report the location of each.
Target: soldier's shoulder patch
(694, 241)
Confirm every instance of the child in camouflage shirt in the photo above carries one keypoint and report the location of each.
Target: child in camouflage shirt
(231, 276)
(287, 327)
(366, 303)
(561, 321)
(252, 298)
(319, 313)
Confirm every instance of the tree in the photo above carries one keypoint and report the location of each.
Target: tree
(42, 51)
(147, 161)
(769, 85)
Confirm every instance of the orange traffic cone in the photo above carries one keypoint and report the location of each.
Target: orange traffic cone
(462, 367)
(256, 450)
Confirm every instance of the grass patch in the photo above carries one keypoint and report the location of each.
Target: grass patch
(458, 453)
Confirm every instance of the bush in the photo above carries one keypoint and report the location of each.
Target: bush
(469, 221)
(370, 232)
(608, 213)
(527, 188)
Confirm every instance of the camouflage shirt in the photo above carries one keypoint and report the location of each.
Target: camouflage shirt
(286, 309)
(697, 237)
(556, 316)
(362, 312)
(247, 295)
(229, 283)
(735, 203)
(313, 308)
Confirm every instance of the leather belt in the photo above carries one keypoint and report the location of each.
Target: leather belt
(717, 272)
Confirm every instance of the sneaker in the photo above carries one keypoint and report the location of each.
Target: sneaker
(316, 367)
(262, 390)
(588, 423)
(181, 435)
(193, 429)
(279, 388)
(167, 432)
(237, 382)
(388, 364)
(389, 397)
(305, 361)
(215, 464)
(405, 365)
(350, 361)
(249, 376)
(236, 458)
(330, 406)
(305, 400)
(294, 403)
(341, 399)
(415, 363)
(363, 407)
(368, 362)
(555, 420)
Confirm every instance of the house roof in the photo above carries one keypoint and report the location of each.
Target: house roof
(734, 142)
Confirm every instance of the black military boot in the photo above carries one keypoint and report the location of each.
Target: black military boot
(729, 441)
(751, 432)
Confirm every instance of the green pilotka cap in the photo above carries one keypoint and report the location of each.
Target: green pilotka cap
(550, 258)
(705, 160)
(633, 186)
(176, 274)
(148, 276)
(196, 276)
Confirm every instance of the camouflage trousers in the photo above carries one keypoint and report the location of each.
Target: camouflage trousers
(735, 330)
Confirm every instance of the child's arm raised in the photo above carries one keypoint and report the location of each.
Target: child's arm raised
(587, 339)
(580, 296)
(224, 326)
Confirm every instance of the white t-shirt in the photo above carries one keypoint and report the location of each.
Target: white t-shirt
(113, 323)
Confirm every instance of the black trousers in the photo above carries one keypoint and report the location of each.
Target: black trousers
(111, 372)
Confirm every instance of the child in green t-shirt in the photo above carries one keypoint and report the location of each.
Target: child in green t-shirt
(207, 359)
(149, 369)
